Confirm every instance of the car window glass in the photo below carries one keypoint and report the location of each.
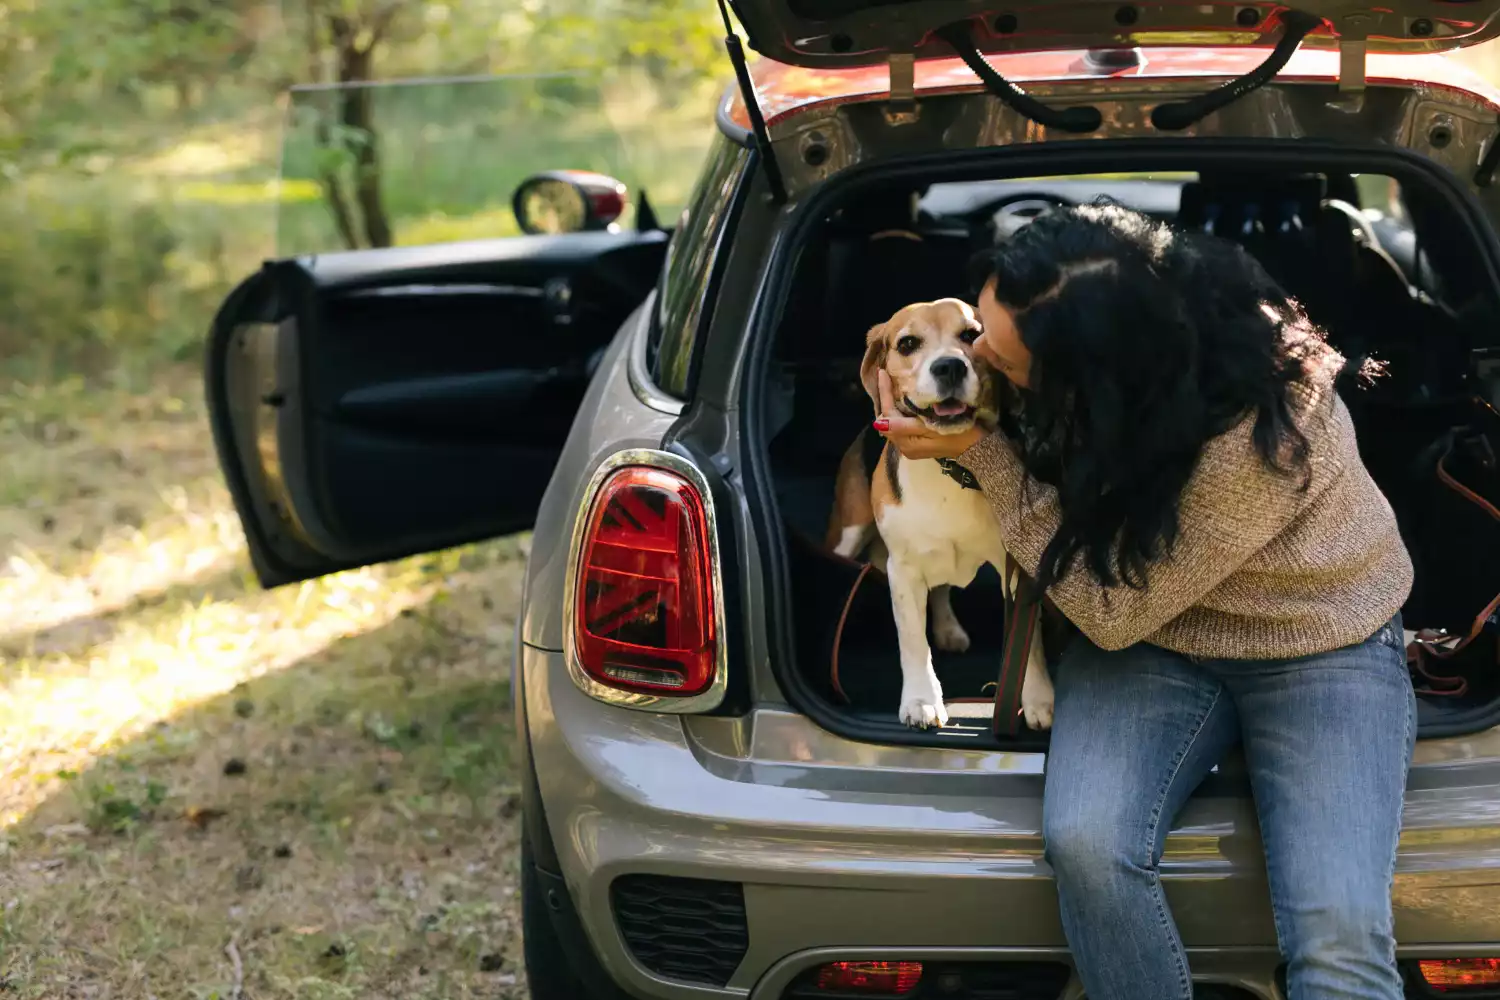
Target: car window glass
(411, 163)
(688, 274)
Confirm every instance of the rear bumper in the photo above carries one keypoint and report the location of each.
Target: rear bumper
(848, 850)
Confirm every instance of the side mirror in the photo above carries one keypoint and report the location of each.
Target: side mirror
(568, 201)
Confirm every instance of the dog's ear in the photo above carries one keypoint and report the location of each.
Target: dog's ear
(869, 368)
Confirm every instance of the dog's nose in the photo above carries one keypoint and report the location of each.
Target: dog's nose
(949, 373)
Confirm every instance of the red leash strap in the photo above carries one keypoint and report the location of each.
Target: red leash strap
(1022, 613)
(838, 635)
(1432, 644)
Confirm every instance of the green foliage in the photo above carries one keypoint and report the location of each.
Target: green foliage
(94, 272)
(111, 807)
(137, 154)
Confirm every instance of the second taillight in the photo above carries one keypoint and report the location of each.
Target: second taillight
(1458, 976)
(643, 608)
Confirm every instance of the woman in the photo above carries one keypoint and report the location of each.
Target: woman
(1188, 492)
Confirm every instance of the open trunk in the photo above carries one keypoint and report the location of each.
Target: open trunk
(1362, 251)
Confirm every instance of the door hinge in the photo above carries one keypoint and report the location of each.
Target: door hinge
(901, 108)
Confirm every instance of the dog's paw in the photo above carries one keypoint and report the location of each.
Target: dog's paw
(1036, 700)
(1038, 713)
(949, 636)
(922, 704)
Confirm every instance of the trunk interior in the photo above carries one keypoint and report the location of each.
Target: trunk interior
(1360, 251)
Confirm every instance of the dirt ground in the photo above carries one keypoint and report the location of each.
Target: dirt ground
(208, 790)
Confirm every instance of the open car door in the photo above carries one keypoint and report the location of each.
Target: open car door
(372, 404)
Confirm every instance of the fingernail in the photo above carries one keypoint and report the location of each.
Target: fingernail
(882, 425)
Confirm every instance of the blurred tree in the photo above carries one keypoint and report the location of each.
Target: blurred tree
(342, 37)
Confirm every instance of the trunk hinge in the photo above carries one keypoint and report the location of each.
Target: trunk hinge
(1078, 120)
(1177, 115)
(902, 108)
(758, 130)
(1354, 42)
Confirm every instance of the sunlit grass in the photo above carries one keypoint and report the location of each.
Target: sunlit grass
(266, 193)
(319, 773)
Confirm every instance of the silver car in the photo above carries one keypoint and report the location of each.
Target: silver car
(711, 809)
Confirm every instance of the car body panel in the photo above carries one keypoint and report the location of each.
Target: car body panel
(848, 846)
(842, 33)
(836, 114)
(782, 89)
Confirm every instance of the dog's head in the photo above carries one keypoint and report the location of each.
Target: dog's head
(927, 348)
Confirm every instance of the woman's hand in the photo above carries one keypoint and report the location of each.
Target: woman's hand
(912, 438)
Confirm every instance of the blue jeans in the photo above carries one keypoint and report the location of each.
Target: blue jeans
(1327, 741)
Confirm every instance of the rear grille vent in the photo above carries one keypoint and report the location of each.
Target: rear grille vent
(687, 929)
(963, 981)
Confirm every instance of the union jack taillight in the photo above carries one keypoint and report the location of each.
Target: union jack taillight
(643, 603)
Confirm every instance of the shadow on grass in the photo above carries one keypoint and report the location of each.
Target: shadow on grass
(347, 824)
(77, 634)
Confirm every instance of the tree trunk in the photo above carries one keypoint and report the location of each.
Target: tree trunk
(359, 119)
(328, 178)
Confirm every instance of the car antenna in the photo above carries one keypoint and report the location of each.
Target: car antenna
(1177, 115)
(1081, 119)
(752, 109)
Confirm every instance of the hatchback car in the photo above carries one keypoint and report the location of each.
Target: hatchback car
(719, 800)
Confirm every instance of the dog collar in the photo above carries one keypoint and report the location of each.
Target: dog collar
(958, 473)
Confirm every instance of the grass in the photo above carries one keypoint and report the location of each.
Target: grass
(210, 790)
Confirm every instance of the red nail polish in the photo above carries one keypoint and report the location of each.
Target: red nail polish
(882, 425)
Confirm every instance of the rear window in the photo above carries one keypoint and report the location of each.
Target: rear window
(691, 270)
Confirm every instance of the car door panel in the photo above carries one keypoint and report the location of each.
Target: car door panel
(374, 404)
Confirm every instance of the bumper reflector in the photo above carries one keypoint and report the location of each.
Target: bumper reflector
(1456, 975)
(870, 978)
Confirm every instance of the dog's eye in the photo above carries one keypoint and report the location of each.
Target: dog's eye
(969, 336)
(908, 343)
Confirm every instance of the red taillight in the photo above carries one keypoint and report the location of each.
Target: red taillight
(644, 602)
(607, 205)
(873, 978)
(1454, 975)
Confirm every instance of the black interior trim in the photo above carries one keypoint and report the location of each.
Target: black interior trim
(1052, 159)
(737, 697)
(451, 402)
(429, 291)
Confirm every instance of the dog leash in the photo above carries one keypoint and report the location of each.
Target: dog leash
(1023, 608)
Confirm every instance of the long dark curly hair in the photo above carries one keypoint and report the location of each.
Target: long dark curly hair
(1146, 342)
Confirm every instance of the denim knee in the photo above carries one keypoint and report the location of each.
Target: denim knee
(1089, 844)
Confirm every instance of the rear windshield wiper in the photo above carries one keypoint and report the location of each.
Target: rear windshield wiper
(1169, 117)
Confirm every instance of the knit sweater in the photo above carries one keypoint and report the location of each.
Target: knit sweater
(1260, 569)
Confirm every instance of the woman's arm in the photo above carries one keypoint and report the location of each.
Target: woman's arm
(1232, 506)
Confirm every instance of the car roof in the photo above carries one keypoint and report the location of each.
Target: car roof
(785, 90)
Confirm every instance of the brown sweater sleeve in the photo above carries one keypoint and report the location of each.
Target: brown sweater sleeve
(1232, 506)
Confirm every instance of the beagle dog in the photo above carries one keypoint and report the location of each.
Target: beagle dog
(925, 521)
